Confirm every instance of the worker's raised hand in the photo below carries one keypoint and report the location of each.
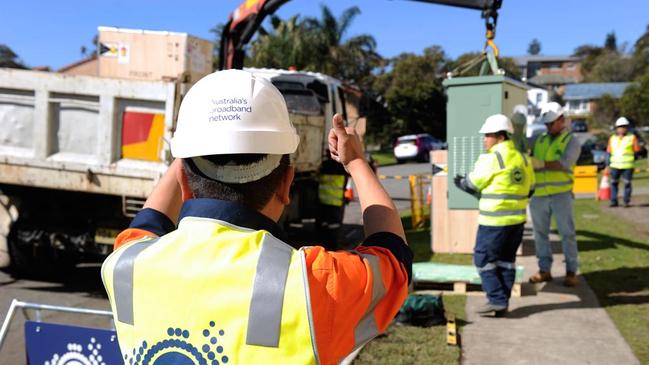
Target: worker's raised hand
(344, 144)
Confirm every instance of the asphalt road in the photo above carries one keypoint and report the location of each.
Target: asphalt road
(82, 288)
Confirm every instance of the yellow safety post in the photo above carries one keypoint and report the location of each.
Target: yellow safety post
(451, 330)
(416, 197)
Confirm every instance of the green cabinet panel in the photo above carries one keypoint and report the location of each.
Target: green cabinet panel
(470, 101)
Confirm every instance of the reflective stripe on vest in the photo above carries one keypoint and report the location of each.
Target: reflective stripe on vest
(503, 201)
(622, 156)
(331, 189)
(549, 182)
(211, 291)
(367, 328)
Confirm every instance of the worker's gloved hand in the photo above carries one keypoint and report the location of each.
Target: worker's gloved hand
(457, 180)
(461, 183)
(344, 144)
(538, 164)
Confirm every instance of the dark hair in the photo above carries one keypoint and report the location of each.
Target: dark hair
(503, 134)
(254, 194)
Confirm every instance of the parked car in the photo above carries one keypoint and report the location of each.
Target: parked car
(579, 125)
(593, 152)
(416, 147)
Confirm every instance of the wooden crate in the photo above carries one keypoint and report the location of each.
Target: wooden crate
(453, 230)
(153, 55)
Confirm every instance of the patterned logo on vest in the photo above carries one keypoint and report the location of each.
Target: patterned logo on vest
(517, 175)
(177, 349)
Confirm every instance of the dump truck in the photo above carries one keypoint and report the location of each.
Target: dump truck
(80, 154)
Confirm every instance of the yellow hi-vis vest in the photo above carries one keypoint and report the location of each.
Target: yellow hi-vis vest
(622, 156)
(331, 189)
(504, 177)
(546, 149)
(210, 293)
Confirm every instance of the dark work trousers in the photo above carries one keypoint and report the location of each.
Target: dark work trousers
(627, 175)
(495, 256)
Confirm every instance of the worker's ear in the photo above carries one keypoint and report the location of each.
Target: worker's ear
(284, 190)
(185, 190)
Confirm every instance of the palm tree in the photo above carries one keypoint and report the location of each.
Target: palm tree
(317, 44)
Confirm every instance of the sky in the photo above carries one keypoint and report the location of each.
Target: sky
(51, 33)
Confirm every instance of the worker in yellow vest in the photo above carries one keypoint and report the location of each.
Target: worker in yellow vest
(503, 180)
(621, 149)
(554, 155)
(204, 274)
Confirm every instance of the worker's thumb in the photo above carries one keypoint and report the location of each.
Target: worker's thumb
(339, 125)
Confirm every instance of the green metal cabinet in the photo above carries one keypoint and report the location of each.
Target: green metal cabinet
(470, 101)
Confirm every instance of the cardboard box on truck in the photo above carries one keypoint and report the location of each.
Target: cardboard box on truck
(153, 55)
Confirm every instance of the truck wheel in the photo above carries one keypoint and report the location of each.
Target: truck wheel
(8, 215)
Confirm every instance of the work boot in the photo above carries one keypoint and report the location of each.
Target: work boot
(540, 277)
(570, 280)
(613, 204)
(626, 205)
(499, 310)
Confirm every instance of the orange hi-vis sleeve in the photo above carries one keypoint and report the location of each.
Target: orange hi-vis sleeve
(130, 235)
(342, 285)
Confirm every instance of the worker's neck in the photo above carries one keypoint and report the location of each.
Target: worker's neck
(273, 209)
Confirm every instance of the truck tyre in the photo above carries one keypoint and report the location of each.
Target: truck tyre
(8, 215)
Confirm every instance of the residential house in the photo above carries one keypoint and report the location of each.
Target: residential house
(581, 99)
(550, 71)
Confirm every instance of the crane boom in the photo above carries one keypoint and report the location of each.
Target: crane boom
(247, 18)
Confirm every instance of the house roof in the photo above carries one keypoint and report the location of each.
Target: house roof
(552, 80)
(524, 60)
(90, 58)
(589, 91)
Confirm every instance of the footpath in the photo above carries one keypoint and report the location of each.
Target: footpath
(558, 325)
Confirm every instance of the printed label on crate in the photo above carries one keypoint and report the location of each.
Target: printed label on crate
(124, 54)
(108, 49)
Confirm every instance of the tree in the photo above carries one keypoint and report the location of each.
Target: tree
(9, 58)
(611, 42)
(606, 112)
(640, 56)
(318, 44)
(610, 67)
(414, 94)
(216, 31)
(506, 63)
(634, 103)
(534, 48)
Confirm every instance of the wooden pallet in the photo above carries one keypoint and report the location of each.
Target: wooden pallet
(458, 287)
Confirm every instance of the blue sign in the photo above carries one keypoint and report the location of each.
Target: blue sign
(58, 344)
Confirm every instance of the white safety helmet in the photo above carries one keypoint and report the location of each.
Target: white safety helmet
(551, 112)
(622, 122)
(497, 123)
(234, 112)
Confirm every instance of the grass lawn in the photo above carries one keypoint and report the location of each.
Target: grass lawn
(414, 345)
(384, 157)
(640, 179)
(614, 256)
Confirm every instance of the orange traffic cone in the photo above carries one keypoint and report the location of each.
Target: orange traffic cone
(349, 191)
(604, 192)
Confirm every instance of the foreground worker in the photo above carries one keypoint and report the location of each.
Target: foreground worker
(554, 155)
(503, 180)
(223, 286)
(621, 149)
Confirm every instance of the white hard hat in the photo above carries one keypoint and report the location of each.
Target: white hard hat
(551, 112)
(497, 123)
(621, 122)
(233, 112)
